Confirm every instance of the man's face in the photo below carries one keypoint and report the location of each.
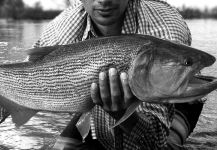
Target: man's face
(105, 12)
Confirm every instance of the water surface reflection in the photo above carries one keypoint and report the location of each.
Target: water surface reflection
(40, 132)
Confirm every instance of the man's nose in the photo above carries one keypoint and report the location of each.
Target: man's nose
(105, 2)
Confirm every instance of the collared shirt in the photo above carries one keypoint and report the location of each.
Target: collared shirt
(152, 17)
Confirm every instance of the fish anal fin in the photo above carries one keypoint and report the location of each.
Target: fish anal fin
(3, 114)
(20, 117)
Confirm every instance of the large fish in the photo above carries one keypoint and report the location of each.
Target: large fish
(58, 78)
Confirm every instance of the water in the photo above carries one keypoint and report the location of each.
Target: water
(40, 132)
(204, 36)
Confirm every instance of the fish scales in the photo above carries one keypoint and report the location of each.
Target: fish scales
(61, 80)
(58, 78)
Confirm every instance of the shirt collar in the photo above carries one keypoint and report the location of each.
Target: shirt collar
(89, 31)
(130, 24)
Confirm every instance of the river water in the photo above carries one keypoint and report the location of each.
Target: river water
(40, 132)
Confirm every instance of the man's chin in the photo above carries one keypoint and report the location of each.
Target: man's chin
(105, 21)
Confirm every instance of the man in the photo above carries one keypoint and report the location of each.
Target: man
(148, 127)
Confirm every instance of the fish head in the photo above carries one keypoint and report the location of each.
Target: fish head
(165, 73)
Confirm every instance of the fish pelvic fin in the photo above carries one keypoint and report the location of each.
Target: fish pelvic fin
(20, 115)
(83, 124)
(130, 110)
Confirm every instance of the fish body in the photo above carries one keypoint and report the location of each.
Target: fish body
(58, 78)
(60, 81)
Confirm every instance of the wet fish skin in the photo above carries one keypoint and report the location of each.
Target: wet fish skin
(60, 81)
(58, 78)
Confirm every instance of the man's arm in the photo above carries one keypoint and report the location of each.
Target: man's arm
(114, 95)
(143, 127)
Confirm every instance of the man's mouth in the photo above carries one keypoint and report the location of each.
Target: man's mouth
(105, 11)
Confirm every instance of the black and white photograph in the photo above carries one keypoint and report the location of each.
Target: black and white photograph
(108, 75)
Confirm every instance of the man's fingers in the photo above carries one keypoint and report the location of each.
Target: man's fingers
(104, 90)
(113, 92)
(128, 95)
(115, 89)
(95, 95)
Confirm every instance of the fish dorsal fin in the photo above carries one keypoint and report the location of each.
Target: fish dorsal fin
(20, 115)
(39, 52)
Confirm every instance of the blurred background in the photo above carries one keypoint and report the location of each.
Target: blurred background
(47, 9)
(21, 23)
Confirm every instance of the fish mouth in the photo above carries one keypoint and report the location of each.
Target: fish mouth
(198, 87)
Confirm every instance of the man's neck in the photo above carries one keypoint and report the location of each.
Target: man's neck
(108, 30)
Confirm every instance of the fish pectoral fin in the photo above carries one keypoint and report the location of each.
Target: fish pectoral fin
(20, 117)
(131, 109)
(39, 52)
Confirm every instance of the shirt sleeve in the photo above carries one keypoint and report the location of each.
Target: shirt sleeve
(158, 18)
(75, 3)
(48, 36)
(152, 127)
(66, 28)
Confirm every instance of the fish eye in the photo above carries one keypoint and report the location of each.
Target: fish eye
(188, 61)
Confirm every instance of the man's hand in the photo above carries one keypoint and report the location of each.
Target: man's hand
(113, 93)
